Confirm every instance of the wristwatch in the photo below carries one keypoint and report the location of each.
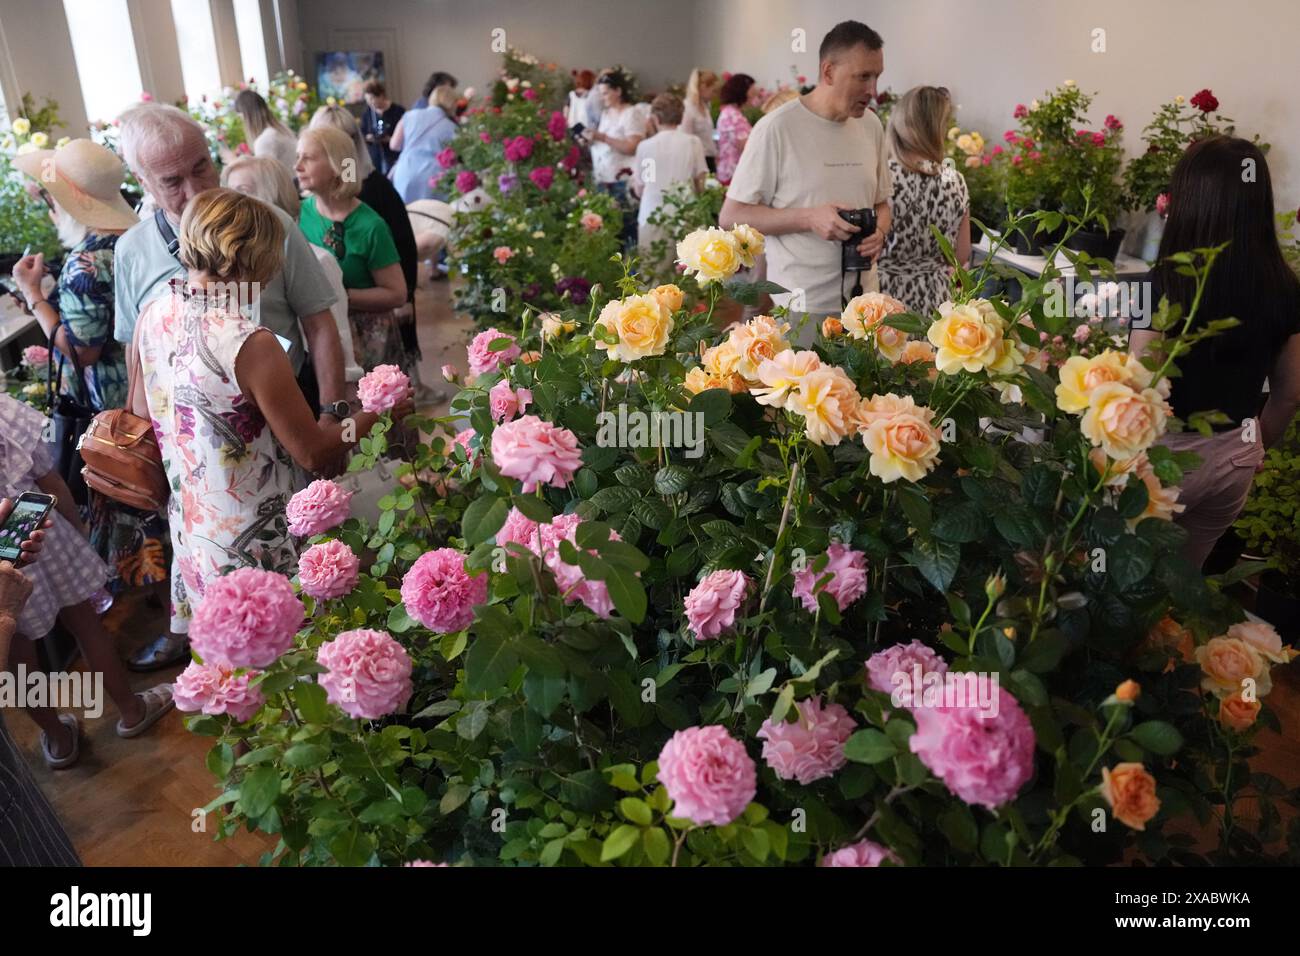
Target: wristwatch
(339, 410)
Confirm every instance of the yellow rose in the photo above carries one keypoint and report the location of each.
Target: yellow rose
(699, 380)
(553, 326)
(1131, 793)
(978, 141)
(1079, 376)
(902, 445)
(669, 295)
(22, 126)
(966, 338)
(1264, 638)
(884, 406)
(964, 142)
(865, 312)
(721, 361)
(758, 340)
(828, 401)
(782, 376)
(1123, 422)
(711, 254)
(1226, 662)
(1238, 714)
(40, 140)
(751, 243)
(642, 324)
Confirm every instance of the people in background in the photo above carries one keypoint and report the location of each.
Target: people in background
(733, 127)
(614, 142)
(927, 192)
(420, 136)
(267, 180)
(168, 153)
(231, 421)
(31, 833)
(377, 124)
(63, 585)
(265, 134)
(805, 162)
(436, 79)
(675, 156)
(333, 216)
(584, 81)
(697, 113)
(1211, 203)
(88, 208)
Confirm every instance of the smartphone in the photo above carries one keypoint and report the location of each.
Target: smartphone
(30, 511)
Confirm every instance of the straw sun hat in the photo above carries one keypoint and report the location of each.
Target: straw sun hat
(85, 179)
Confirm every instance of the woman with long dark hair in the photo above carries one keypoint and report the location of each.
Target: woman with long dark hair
(1222, 193)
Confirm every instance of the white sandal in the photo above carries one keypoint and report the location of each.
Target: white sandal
(157, 701)
(71, 757)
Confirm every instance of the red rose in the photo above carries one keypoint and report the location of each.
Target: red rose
(1205, 101)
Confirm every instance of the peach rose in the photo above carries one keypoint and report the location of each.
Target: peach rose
(759, 339)
(1131, 793)
(711, 254)
(902, 445)
(863, 318)
(782, 376)
(669, 295)
(828, 401)
(553, 326)
(701, 380)
(1162, 502)
(832, 328)
(1264, 638)
(750, 242)
(917, 351)
(1123, 422)
(642, 324)
(966, 338)
(1227, 662)
(1128, 691)
(1238, 714)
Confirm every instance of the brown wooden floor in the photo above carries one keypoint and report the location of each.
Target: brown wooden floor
(131, 802)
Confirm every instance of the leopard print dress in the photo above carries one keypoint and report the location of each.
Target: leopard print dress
(913, 269)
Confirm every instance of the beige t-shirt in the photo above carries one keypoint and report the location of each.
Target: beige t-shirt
(795, 158)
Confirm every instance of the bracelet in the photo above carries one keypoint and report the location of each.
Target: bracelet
(31, 306)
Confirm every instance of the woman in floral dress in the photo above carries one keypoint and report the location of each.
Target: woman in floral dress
(230, 418)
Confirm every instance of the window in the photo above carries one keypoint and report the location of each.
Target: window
(198, 48)
(252, 45)
(104, 48)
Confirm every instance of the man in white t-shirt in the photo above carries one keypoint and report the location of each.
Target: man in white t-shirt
(807, 160)
(669, 157)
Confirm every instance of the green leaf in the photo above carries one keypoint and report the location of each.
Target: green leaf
(1129, 560)
(634, 476)
(1158, 737)
(628, 593)
(652, 512)
(1016, 523)
(312, 704)
(484, 518)
(489, 663)
(587, 791)
(657, 846)
(917, 509)
(615, 499)
(713, 403)
(869, 746)
(673, 479)
(1044, 652)
(454, 798)
(619, 842)
(936, 560)
(306, 756)
(636, 810)
(259, 791)
(534, 509)
(544, 692)
(961, 523)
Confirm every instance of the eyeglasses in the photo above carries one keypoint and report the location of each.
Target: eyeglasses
(334, 240)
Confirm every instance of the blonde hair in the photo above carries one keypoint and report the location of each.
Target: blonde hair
(699, 78)
(917, 126)
(231, 235)
(445, 98)
(271, 182)
(256, 115)
(342, 156)
(341, 118)
(779, 98)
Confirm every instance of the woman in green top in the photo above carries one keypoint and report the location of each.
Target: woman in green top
(333, 217)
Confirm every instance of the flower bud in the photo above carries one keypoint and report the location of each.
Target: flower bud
(1129, 691)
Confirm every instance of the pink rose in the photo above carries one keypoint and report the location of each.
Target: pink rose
(382, 388)
(984, 760)
(536, 452)
(530, 94)
(556, 126)
(542, 177)
(883, 667)
(520, 529)
(1098, 139)
(518, 149)
(367, 673)
(247, 618)
(328, 570)
(466, 180)
(712, 604)
(863, 853)
(213, 689)
(449, 373)
(1081, 333)
(463, 439)
(848, 570)
(573, 584)
(426, 862)
(812, 747)
(36, 356)
(485, 136)
(503, 254)
(318, 507)
(592, 222)
(1162, 204)
(484, 359)
(505, 402)
(1021, 111)
(447, 158)
(708, 775)
(439, 593)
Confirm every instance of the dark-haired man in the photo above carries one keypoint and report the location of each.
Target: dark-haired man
(807, 160)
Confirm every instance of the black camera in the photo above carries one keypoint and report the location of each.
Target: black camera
(865, 219)
(576, 131)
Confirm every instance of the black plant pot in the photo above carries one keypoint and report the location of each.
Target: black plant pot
(1035, 244)
(1098, 244)
(1275, 602)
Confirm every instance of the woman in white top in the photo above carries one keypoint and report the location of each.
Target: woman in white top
(265, 134)
(584, 86)
(614, 143)
(697, 117)
(267, 180)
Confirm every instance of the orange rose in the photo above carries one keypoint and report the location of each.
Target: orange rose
(1227, 663)
(1238, 714)
(1131, 793)
(832, 327)
(1128, 691)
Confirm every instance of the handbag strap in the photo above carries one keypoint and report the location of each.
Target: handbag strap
(168, 234)
(82, 391)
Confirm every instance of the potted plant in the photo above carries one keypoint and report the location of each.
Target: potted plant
(24, 220)
(1270, 527)
(984, 174)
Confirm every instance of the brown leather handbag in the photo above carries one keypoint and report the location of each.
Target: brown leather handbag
(121, 454)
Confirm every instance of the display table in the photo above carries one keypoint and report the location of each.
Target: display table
(1125, 265)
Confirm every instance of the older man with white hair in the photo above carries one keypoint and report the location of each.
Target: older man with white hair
(168, 153)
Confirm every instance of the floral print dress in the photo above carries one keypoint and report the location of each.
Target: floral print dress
(230, 478)
(733, 133)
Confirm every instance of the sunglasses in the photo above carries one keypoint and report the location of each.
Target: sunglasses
(46, 197)
(334, 240)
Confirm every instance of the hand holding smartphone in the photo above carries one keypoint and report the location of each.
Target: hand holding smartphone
(29, 515)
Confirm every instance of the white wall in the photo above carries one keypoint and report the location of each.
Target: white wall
(993, 54)
(653, 38)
